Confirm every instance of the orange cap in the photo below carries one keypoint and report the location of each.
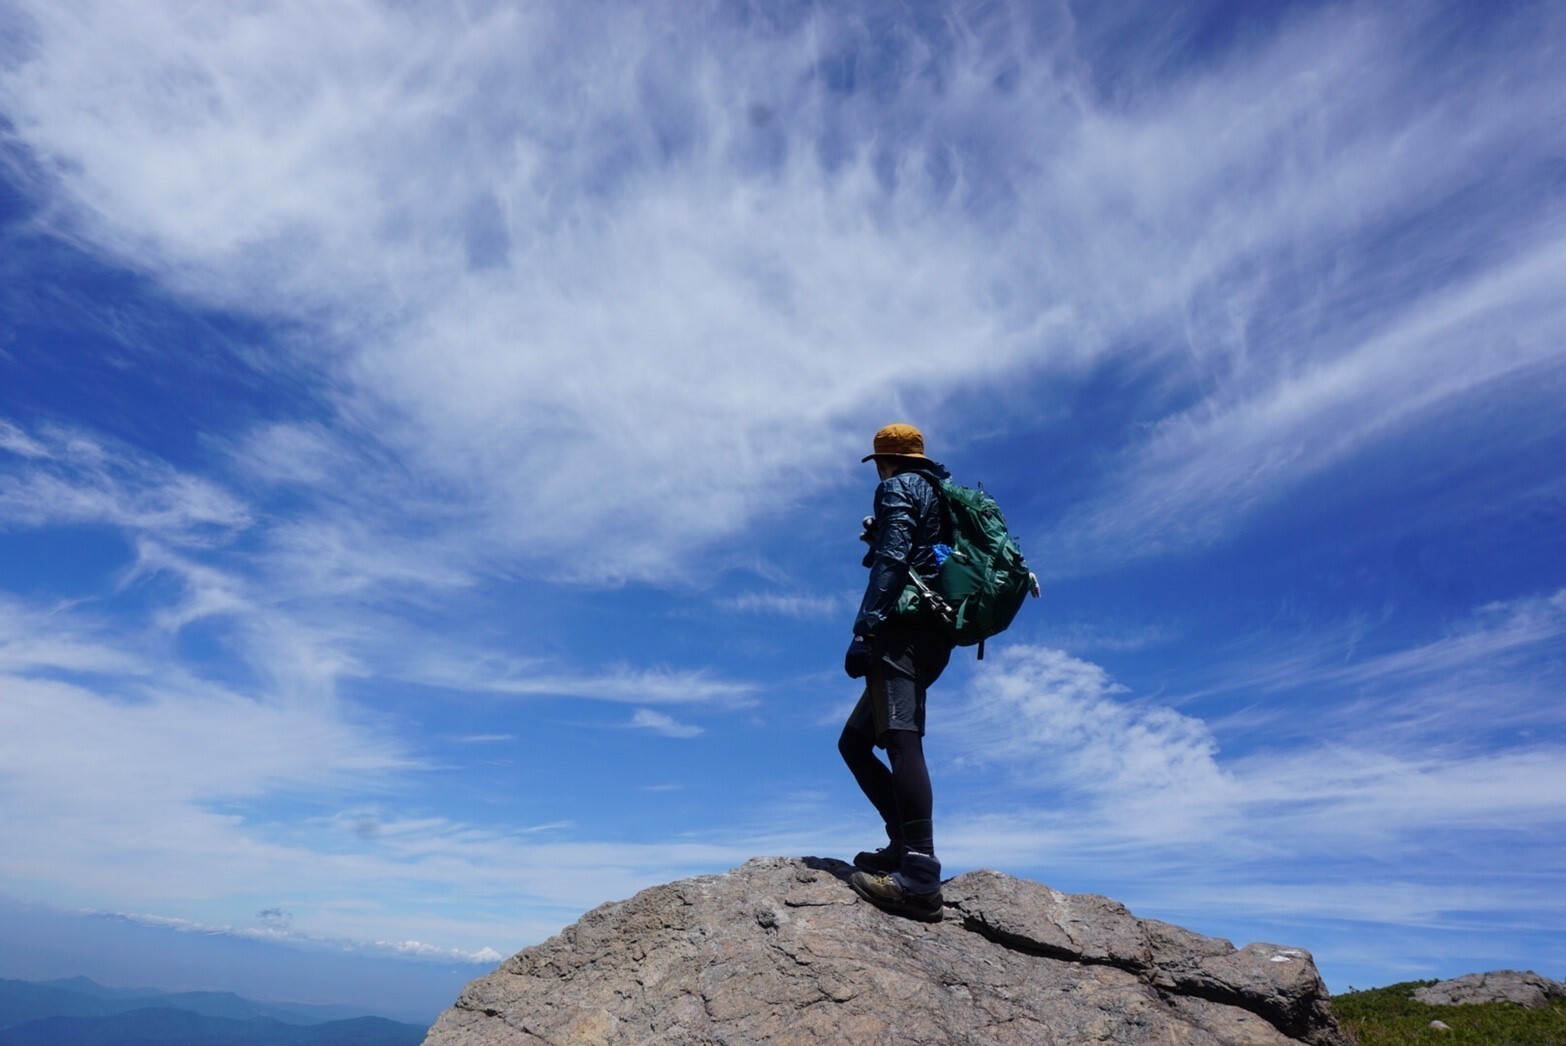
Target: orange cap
(898, 441)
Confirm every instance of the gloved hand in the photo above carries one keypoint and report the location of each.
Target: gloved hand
(857, 661)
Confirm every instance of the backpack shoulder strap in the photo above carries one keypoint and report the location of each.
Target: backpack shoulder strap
(938, 487)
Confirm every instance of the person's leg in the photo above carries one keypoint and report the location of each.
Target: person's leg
(903, 678)
(902, 735)
(857, 747)
(910, 786)
(919, 871)
(874, 779)
(913, 888)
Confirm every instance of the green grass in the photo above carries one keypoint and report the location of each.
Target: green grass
(1390, 1017)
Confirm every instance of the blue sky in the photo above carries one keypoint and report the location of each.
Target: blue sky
(430, 436)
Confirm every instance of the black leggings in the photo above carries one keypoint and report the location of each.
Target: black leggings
(900, 795)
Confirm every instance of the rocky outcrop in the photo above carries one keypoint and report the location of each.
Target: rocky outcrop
(1525, 988)
(782, 950)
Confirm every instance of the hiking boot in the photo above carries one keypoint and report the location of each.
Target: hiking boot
(919, 873)
(884, 861)
(885, 893)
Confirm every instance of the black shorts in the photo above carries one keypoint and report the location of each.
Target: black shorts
(907, 661)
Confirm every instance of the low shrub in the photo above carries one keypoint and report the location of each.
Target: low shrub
(1391, 1016)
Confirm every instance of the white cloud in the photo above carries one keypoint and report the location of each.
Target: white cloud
(205, 591)
(36, 637)
(622, 683)
(1499, 658)
(607, 362)
(275, 930)
(307, 455)
(577, 304)
(658, 723)
(1049, 715)
(167, 788)
(172, 813)
(141, 821)
(1496, 633)
(57, 476)
(431, 951)
(1095, 778)
(1205, 469)
(567, 294)
(16, 441)
(1115, 636)
(784, 605)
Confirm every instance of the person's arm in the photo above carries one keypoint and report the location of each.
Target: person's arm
(897, 518)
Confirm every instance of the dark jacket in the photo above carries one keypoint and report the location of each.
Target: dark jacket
(908, 524)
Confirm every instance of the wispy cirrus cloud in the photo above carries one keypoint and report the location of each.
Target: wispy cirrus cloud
(1500, 657)
(659, 723)
(803, 606)
(301, 595)
(181, 802)
(1493, 636)
(187, 761)
(1098, 776)
(700, 262)
(506, 326)
(1204, 470)
(577, 293)
(488, 673)
(59, 476)
(41, 637)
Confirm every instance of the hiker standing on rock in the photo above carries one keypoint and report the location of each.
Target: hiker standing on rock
(898, 657)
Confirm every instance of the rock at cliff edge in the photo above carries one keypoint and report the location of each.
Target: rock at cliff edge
(782, 950)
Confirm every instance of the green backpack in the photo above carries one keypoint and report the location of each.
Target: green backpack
(982, 579)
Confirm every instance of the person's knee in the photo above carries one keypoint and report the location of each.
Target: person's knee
(852, 745)
(900, 744)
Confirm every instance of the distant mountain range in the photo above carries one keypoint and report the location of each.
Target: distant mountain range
(80, 1012)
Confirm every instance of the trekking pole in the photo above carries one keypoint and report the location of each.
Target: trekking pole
(938, 603)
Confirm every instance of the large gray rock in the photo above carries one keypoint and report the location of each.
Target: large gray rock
(1525, 988)
(782, 950)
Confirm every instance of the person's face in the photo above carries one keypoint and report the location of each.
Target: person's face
(885, 469)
